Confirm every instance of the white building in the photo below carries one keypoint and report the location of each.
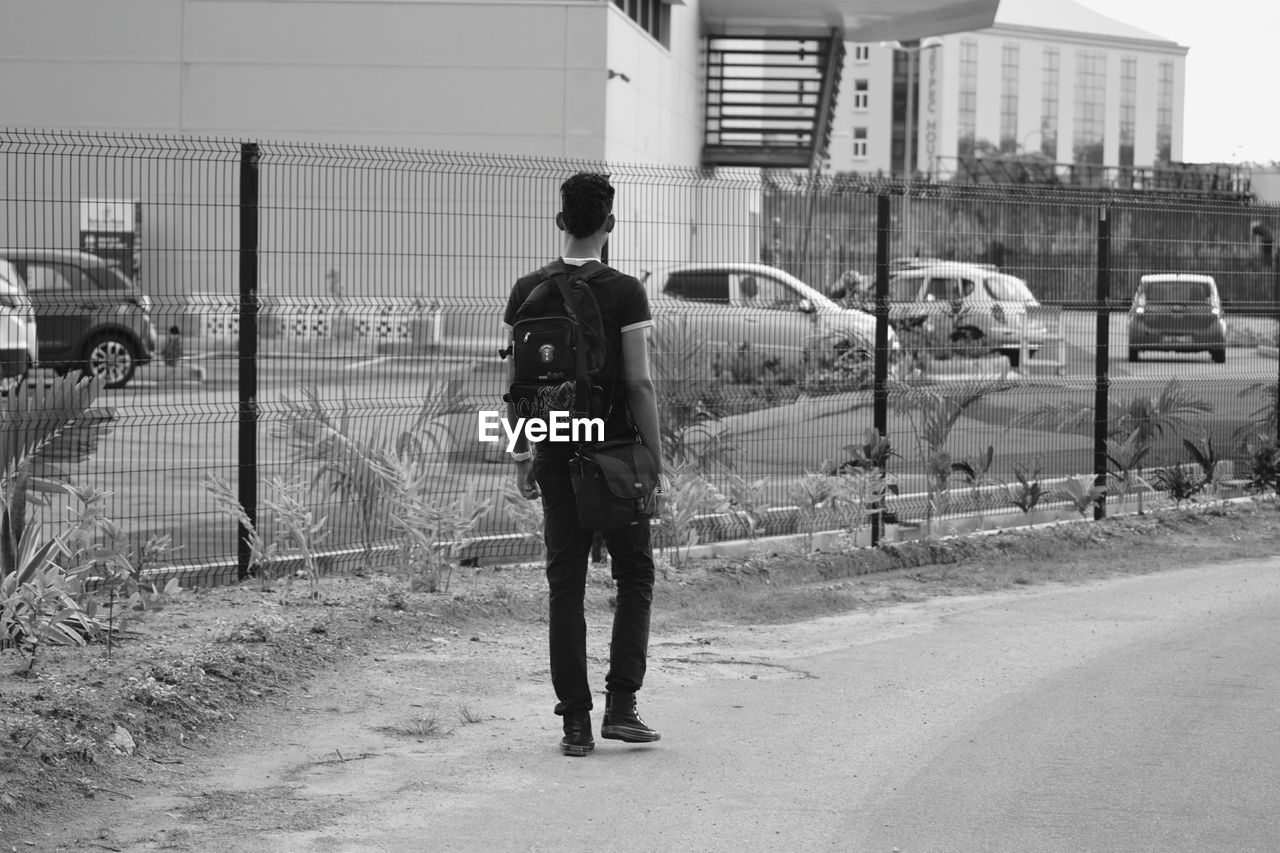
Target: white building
(1051, 76)
(605, 80)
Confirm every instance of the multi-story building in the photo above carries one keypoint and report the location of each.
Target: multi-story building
(611, 80)
(1051, 79)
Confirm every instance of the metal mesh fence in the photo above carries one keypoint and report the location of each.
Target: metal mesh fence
(375, 281)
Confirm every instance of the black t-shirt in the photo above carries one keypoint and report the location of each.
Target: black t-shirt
(624, 306)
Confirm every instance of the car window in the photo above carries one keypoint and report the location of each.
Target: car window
(113, 278)
(904, 288)
(943, 288)
(762, 291)
(1177, 291)
(48, 279)
(699, 286)
(1007, 288)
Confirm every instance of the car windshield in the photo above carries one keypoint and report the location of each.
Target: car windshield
(1007, 288)
(1176, 291)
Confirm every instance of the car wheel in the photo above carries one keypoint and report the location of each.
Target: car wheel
(111, 358)
(1219, 356)
(9, 384)
(1133, 353)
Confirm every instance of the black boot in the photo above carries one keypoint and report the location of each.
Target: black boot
(622, 721)
(577, 740)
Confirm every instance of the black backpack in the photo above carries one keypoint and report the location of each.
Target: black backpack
(558, 345)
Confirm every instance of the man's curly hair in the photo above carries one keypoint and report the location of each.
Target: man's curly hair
(586, 199)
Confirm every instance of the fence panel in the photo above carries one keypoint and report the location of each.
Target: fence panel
(383, 276)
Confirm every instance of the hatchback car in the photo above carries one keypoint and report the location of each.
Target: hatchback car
(985, 307)
(735, 306)
(89, 315)
(19, 349)
(1177, 312)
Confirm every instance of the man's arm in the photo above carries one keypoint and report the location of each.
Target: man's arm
(641, 397)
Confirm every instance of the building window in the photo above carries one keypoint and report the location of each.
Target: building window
(859, 143)
(968, 104)
(653, 16)
(1164, 113)
(1049, 103)
(1091, 95)
(861, 94)
(862, 53)
(1009, 98)
(1128, 107)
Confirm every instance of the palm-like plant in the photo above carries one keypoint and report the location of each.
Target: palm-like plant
(43, 428)
(932, 415)
(1125, 460)
(1144, 417)
(352, 466)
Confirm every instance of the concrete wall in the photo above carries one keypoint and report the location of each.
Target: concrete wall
(526, 77)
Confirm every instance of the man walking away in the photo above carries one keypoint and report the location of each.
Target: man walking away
(629, 408)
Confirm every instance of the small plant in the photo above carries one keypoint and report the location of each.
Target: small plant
(469, 716)
(810, 493)
(433, 532)
(688, 495)
(1125, 459)
(1206, 459)
(43, 603)
(873, 454)
(1264, 463)
(420, 728)
(1029, 491)
(747, 502)
(1081, 491)
(225, 500)
(976, 471)
(857, 496)
(1181, 482)
(297, 530)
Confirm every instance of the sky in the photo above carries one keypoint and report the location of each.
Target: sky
(1233, 71)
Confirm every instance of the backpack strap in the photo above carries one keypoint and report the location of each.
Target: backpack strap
(582, 383)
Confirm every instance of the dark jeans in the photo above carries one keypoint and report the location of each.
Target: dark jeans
(631, 563)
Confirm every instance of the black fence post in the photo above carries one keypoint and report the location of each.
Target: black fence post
(1102, 360)
(247, 469)
(880, 392)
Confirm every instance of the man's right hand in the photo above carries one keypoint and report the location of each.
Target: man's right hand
(525, 481)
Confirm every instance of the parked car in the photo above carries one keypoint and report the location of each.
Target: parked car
(983, 306)
(738, 306)
(1177, 312)
(19, 347)
(89, 315)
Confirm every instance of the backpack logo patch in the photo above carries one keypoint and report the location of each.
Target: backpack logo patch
(546, 352)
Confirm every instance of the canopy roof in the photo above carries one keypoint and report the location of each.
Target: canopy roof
(857, 20)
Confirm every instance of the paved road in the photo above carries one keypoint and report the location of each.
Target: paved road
(1140, 714)
(1129, 716)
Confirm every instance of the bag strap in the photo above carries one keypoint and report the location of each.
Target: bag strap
(582, 383)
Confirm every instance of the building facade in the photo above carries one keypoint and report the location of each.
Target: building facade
(1051, 80)
(592, 79)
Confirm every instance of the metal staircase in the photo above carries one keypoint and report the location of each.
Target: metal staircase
(770, 99)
